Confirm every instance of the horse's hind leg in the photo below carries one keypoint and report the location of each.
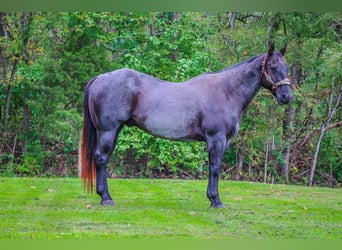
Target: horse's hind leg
(105, 146)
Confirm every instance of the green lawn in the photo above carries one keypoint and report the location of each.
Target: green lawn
(41, 208)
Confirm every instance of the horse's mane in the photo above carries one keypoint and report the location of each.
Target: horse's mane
(249, 60)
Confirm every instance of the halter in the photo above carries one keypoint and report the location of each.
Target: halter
(275, 85)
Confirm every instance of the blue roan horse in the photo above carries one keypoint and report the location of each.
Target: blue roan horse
(206, 108)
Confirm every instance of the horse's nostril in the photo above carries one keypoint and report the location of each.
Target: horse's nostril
(97, 154)
(286, 97)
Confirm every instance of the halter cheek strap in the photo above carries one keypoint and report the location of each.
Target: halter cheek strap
(275, 85)
(268, 78)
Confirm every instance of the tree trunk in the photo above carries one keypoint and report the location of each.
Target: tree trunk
(331, 111)
(331, 176)
(9, 93)
(317, 131)
(273, 26)
(231, 21)
(240, 158)
(314, 161)
(287, 135)
(266, 163)
(296, 75)
(25, 124)
(26, 20)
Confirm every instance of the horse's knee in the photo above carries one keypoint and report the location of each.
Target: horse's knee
(215, 170)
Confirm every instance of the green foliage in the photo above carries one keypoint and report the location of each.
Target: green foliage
(171, 50)
(7, 167)
(48, 58)
(32, 165)
(330, 157)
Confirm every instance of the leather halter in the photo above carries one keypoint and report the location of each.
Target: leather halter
(268, 78)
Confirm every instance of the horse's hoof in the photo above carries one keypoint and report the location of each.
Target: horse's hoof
(107, 203)
(217, 206)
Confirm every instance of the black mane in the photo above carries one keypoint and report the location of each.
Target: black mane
(249, 60)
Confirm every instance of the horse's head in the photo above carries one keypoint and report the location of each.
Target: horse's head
(274, 75)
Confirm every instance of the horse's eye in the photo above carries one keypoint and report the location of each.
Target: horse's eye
(273, 68)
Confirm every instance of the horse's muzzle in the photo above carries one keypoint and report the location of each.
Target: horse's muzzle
(283, 94)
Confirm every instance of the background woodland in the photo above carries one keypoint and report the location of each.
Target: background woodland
(46, 60)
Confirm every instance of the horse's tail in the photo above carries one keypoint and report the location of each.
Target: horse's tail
(89, 138)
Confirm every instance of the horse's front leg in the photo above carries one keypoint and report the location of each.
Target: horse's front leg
(217, 145)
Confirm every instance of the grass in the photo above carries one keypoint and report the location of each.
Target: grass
(40, 208)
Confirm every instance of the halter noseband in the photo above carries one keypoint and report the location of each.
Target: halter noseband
(275, 85)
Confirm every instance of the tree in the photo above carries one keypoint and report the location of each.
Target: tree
(47, 59)
(15, 33)
(331, 73)
(333, 104)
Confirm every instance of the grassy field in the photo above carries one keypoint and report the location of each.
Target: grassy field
(39, 208)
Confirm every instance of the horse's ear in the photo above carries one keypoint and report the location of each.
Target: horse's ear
(283, 49)
(271, 49)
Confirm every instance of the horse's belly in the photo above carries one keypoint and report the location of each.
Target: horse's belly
(169, 126)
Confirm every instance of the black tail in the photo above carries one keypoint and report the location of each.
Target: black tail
(89, 138)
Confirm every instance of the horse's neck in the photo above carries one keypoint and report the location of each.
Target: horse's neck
(244, 81)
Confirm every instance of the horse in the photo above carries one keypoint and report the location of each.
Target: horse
(206, 108)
